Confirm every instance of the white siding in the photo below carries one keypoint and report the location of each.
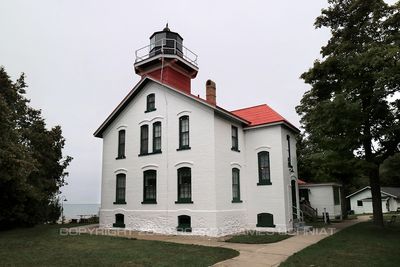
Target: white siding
(367, 204)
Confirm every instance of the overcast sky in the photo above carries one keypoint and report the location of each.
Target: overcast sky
(78, 57)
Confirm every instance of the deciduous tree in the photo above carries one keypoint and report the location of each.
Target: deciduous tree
(32, 167)
(352, 107)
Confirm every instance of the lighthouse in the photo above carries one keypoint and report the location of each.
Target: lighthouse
(167, 60)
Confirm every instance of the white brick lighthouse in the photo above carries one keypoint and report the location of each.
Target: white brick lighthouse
(173, 161)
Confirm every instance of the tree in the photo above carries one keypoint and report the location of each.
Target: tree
(352, 108)
(389, 171)
(32, 166)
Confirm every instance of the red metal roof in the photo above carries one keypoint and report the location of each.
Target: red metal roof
(257, 115)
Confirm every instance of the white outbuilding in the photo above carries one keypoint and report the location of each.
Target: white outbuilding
(361, 200)
(320, 198)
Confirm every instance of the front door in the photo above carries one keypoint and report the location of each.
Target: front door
(294, 201)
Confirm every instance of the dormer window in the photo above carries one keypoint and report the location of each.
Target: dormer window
(151, 103)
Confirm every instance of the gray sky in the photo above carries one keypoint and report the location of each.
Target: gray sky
(78, 57)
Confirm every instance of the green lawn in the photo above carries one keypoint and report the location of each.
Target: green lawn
(360, 245)
(43, 246)
(258, 238)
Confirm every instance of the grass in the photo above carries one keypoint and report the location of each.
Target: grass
(362, 244)
(43, 246)
(258, 238)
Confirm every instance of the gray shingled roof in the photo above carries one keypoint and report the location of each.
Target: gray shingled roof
(395, 191)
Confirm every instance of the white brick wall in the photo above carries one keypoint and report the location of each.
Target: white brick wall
(211, 161)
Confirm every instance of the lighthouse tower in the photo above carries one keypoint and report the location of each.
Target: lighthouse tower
(167, 60)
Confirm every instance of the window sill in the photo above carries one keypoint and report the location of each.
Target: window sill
(122, 157)
(184, 148)
(264, 183)
(184, 229)
(262, 225)
(119, 202)
(150, 110)
(149, 202)
(184, 202)
(119, 225)
(237, 201)
(148, 154)
(235, 149)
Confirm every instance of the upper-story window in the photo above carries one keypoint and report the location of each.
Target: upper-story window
(236, 185)
(151, 103)
(184, 185)
(121, 144)
(289, 152)
(144, 139)
(149, 187)
(235, 138)
(157, 137)
(184, 132)
(120, 189)
(264, 175)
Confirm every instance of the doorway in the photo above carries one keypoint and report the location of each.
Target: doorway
(294, 200)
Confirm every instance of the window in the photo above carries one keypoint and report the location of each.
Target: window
(235, 139)
(264, 177)
(336, 195)
(184, 223)
(235, 185)
(150, 187)
(144, 139)
(157, 137)
(184, 132)
(151, 103)
(359, 203)
(289, 153)
(265, 220)
(121, 144)
(120, 189)
(119, 220)
(184, 185)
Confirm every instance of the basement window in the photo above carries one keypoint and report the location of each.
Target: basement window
(265, 220)
(184, 224)
(119, 221)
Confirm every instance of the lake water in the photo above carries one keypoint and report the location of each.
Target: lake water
(71, 211)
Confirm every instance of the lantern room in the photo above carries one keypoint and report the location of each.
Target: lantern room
(167, 60)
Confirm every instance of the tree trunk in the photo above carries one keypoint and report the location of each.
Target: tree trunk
(343, 201)
(376, 195)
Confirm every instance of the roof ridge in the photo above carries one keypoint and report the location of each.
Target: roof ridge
(250, 107)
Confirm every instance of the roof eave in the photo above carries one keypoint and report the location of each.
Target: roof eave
(99, 132)
(281, 122)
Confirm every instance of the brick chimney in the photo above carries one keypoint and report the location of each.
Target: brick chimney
(211, 96)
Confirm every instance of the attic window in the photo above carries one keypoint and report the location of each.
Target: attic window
(151, 103)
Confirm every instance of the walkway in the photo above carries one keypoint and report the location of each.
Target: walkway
(253, 254)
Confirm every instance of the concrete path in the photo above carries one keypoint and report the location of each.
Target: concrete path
(251, 255)
(276, 253)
